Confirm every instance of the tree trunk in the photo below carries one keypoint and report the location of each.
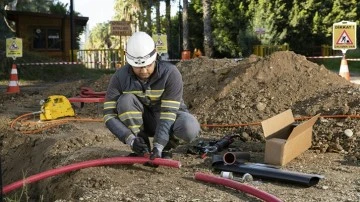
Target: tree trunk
(208, 45)
(168, 25)
(185, 25)
(158, 27)
(140, 13)
(148, 18)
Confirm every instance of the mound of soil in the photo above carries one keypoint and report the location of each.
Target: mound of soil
(217, 91)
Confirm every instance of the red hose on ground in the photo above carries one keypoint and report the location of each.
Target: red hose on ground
(86, 164)
(236, 185)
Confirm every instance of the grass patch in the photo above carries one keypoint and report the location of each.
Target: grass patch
(49, 72)
(333, 64)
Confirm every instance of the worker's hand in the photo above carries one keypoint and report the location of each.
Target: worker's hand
(139, 146)
(155, 153)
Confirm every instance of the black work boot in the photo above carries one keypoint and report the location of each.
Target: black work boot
(172, 144)
(167, 154)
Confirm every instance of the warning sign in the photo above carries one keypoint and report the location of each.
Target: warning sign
(120, 28)
(160, 43)
(14, 47)
(344, 35)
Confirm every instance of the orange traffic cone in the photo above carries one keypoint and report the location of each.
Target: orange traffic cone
(344, 69)
(13, 86)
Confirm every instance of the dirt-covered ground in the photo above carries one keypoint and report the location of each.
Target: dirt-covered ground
(220, 92)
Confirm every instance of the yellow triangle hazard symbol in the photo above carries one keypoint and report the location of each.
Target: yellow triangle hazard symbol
(159, 42)
(344, 39)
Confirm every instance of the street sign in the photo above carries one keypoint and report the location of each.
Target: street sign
(120, 28)
(14, 47)
(344, 35)
(160, 43)
(260, 30)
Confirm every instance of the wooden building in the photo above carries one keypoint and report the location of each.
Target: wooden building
(46, 33)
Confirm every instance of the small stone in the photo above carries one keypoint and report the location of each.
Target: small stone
(348, 132)
(340, 124)
(325, 187)
(261, 106)
(245, 136)
(323, 120)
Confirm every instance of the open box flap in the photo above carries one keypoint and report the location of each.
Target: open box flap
(278, 122)
(303, 126)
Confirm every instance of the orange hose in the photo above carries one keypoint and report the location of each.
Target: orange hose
(259, 123)
(18, 118)
(54, 123)
(49, 124)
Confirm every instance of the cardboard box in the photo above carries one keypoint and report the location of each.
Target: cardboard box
(285, 140)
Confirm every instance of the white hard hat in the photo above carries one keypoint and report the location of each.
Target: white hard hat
(140, 50)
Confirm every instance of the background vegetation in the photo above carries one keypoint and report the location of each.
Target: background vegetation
(231, 32)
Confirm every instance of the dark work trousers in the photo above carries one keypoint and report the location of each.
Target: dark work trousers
(137, 117)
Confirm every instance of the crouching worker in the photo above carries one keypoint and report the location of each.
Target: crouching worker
(144, 99)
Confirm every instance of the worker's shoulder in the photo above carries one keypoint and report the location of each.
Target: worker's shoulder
(124, 70)
(165, 66)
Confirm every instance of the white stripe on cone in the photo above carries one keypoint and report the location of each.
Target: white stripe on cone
(13, 83)
(14, 71)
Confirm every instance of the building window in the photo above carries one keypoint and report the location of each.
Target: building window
(47, 38)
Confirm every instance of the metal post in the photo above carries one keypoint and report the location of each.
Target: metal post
(72, 30)
(180, 23)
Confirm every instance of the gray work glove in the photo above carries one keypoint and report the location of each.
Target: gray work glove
(156, 152)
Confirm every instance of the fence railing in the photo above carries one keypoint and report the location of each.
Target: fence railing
(101, 58)
(264, 50)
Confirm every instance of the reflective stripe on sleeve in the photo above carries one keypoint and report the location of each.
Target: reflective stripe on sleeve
(110, 105)
(108, 117)
(170, 104)
(168, 116)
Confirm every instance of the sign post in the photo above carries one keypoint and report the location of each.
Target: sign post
(120, 28)
(161, 44)
(14, 48)
(344, 36)
(260, 31)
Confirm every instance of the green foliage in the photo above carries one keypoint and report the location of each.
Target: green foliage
(227, 22)
(99, 37)
(334, 63)
(59, 8)
(41, 6)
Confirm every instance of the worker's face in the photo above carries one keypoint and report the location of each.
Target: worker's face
(143, 73)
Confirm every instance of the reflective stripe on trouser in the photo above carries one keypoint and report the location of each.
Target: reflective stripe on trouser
(186, 127)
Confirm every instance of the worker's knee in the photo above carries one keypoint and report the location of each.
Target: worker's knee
(186, 127)
(124, 98)
(127, 102)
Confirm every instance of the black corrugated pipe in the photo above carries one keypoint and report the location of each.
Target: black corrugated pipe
(264, 171)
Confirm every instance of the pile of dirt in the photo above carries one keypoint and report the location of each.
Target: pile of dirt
(217, 91)
(225, 91)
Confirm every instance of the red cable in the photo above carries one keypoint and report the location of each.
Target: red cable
(237, 185)
(86, 164)
(259, 123)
